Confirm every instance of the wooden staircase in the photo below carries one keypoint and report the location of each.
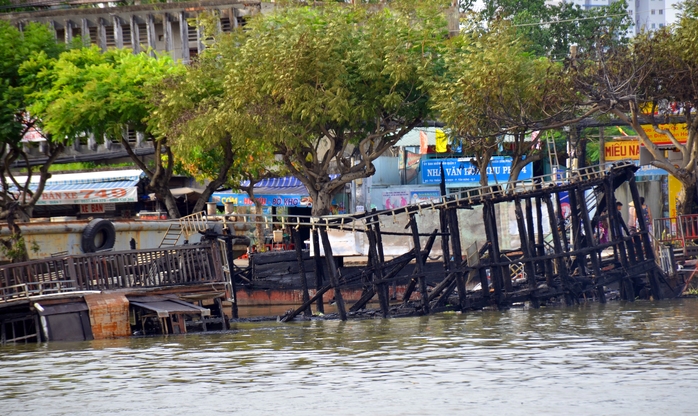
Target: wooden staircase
(171, 237)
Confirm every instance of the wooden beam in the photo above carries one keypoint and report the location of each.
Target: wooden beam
(419, 261)
(334, 274)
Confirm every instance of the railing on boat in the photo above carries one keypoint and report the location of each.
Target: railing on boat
(148, 268)
(680, 232)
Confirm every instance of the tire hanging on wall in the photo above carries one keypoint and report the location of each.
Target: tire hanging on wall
(98, 235)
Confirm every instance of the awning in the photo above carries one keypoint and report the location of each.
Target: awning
(89, 187)
(286, 185)
(190, 194)
(166, 306)
(274, 192)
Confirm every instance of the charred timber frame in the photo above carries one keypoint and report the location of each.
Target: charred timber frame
(554, 266)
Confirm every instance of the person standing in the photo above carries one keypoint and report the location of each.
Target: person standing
(633, 219)
(646, 214)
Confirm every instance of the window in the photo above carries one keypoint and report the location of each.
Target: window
(661, 11)
(652, 12)
(653, 25)
(661, 25)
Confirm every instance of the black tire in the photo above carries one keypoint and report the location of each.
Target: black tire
(98, 235)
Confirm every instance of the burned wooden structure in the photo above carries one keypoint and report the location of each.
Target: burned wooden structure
(565, 264)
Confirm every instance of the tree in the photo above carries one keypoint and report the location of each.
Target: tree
(333, 87)
(552, 27)
(19, 198)
(491, 87)
(85, 91)
(652, 82)
(218, 154)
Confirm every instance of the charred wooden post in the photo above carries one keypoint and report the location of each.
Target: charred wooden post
(400, 264)
(577, 243)
(529, 267)
(452, 217)
(560, 262)
(413, 281)
(561, 222)
(319, 272)
(496, 272)
(588, 233)
(644, 228)
(377, 271)
(531, 232)
(419, 264)
(645, 239)
(381, 253)
(616, 224)
(306, 305)
(298, 245)
(334, 279)
(547, 266)
(444, 221)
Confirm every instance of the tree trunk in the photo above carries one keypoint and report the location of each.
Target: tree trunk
(163, 193)
(322, 204)
(685, 200)
(220, 179)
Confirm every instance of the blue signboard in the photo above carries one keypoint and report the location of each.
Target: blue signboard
(463, 173)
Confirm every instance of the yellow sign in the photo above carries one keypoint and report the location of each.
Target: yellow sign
(441, 141)
(620, 150)
(680, 132)
(675, 187)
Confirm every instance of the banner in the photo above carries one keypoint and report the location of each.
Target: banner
(89, 196)
(402, 197)
(266, 200)
(460, 171)
(679, 130)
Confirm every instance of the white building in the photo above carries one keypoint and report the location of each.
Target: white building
(646, 14)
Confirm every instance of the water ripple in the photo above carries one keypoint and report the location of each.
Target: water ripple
(606, 359)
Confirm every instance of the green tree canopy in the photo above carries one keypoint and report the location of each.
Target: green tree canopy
(493, 86)
(552, 27)
(85, 91)
(652, 82)
(18, 198)
(332, 87)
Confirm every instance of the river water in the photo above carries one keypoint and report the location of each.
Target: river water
(615, 359)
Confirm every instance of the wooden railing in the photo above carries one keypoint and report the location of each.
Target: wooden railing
(180, 265)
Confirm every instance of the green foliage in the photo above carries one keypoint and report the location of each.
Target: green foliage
(312, 84)
(491, 85)
(18, 48)
(14, 248)
(552, 27)
(85, 90)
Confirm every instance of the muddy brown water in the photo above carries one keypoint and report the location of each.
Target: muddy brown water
(615, 359)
